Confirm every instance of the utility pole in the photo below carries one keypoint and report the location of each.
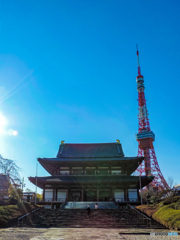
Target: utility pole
(36, 182)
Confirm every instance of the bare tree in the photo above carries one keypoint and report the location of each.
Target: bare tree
(170, 182)
(4, 186)
(9, 178)
(9, 168)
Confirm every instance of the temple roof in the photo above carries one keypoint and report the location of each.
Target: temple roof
(90, 154)
(93, 150)
(58, 181)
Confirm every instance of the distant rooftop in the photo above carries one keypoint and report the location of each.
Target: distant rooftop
(177, 187)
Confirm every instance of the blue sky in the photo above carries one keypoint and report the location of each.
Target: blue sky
(68, 72)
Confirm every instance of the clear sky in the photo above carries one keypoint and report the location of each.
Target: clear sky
(68, 72)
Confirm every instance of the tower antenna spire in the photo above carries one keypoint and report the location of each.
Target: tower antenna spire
(146, 137)
(139, 69)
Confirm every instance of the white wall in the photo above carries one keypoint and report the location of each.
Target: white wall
(119, 195)
(48, 195)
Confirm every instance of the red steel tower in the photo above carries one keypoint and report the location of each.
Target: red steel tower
(145, 138)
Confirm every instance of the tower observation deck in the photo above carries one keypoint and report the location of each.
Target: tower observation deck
(145, 138)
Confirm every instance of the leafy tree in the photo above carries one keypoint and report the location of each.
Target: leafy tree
(15, 193)
(39, 197)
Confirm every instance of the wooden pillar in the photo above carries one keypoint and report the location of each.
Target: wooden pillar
(67, 196)
(138, 195)
(97, 195)
(54, 194)
(82, 195)
(43, 194)
(111, 195)
(122, 169)
(126, 194)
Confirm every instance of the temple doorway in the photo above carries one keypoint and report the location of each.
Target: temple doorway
(90, 195)
(75, 196)
(104, 195)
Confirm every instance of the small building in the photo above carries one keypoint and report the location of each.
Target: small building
(29, 196)
(176, 188)
(91, 172)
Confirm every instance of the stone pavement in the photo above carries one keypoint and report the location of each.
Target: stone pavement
(81, 234)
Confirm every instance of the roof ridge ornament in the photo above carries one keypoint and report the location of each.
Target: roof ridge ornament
(118, 146)
(61, 146)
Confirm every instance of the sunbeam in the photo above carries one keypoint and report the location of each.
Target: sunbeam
(16, 87)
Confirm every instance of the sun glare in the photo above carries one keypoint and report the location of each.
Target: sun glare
(3, 127)
(3, 123)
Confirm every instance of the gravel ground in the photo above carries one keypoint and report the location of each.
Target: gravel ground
(20, 233)
(81, 234)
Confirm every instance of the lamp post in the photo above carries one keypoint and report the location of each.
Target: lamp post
(23, 185)
(36, 183)
(140, 188)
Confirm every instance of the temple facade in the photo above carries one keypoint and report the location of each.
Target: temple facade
(91, 172)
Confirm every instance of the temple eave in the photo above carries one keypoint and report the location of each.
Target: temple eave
(130, 164)
(91, 180)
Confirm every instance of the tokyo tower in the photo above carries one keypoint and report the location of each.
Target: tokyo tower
(145, 138)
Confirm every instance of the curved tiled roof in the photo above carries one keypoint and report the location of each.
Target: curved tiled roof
(94, 150)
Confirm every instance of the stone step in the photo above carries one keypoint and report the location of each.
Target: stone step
(83, 205)
(114, 218)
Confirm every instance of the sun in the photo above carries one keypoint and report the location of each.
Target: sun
(3, 123)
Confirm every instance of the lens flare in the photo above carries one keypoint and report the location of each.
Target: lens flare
(12, 132)
(4, 130)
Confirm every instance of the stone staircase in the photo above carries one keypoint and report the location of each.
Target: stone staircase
(83, 205)
(122, 217)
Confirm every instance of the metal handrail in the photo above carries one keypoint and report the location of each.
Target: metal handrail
(141, 214)
(22, 217)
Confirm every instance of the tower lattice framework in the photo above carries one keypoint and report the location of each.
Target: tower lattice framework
(145, 138)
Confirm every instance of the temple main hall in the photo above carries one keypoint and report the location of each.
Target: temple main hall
(91, 172)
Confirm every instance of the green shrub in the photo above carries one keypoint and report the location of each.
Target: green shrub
(176, 199)
(10, 212)
(153, 199)
(13, 201)
(176, 205)
(167, 201)
(177, 225)
(170, 200)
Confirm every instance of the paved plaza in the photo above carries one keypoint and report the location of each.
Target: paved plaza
(81, 234)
